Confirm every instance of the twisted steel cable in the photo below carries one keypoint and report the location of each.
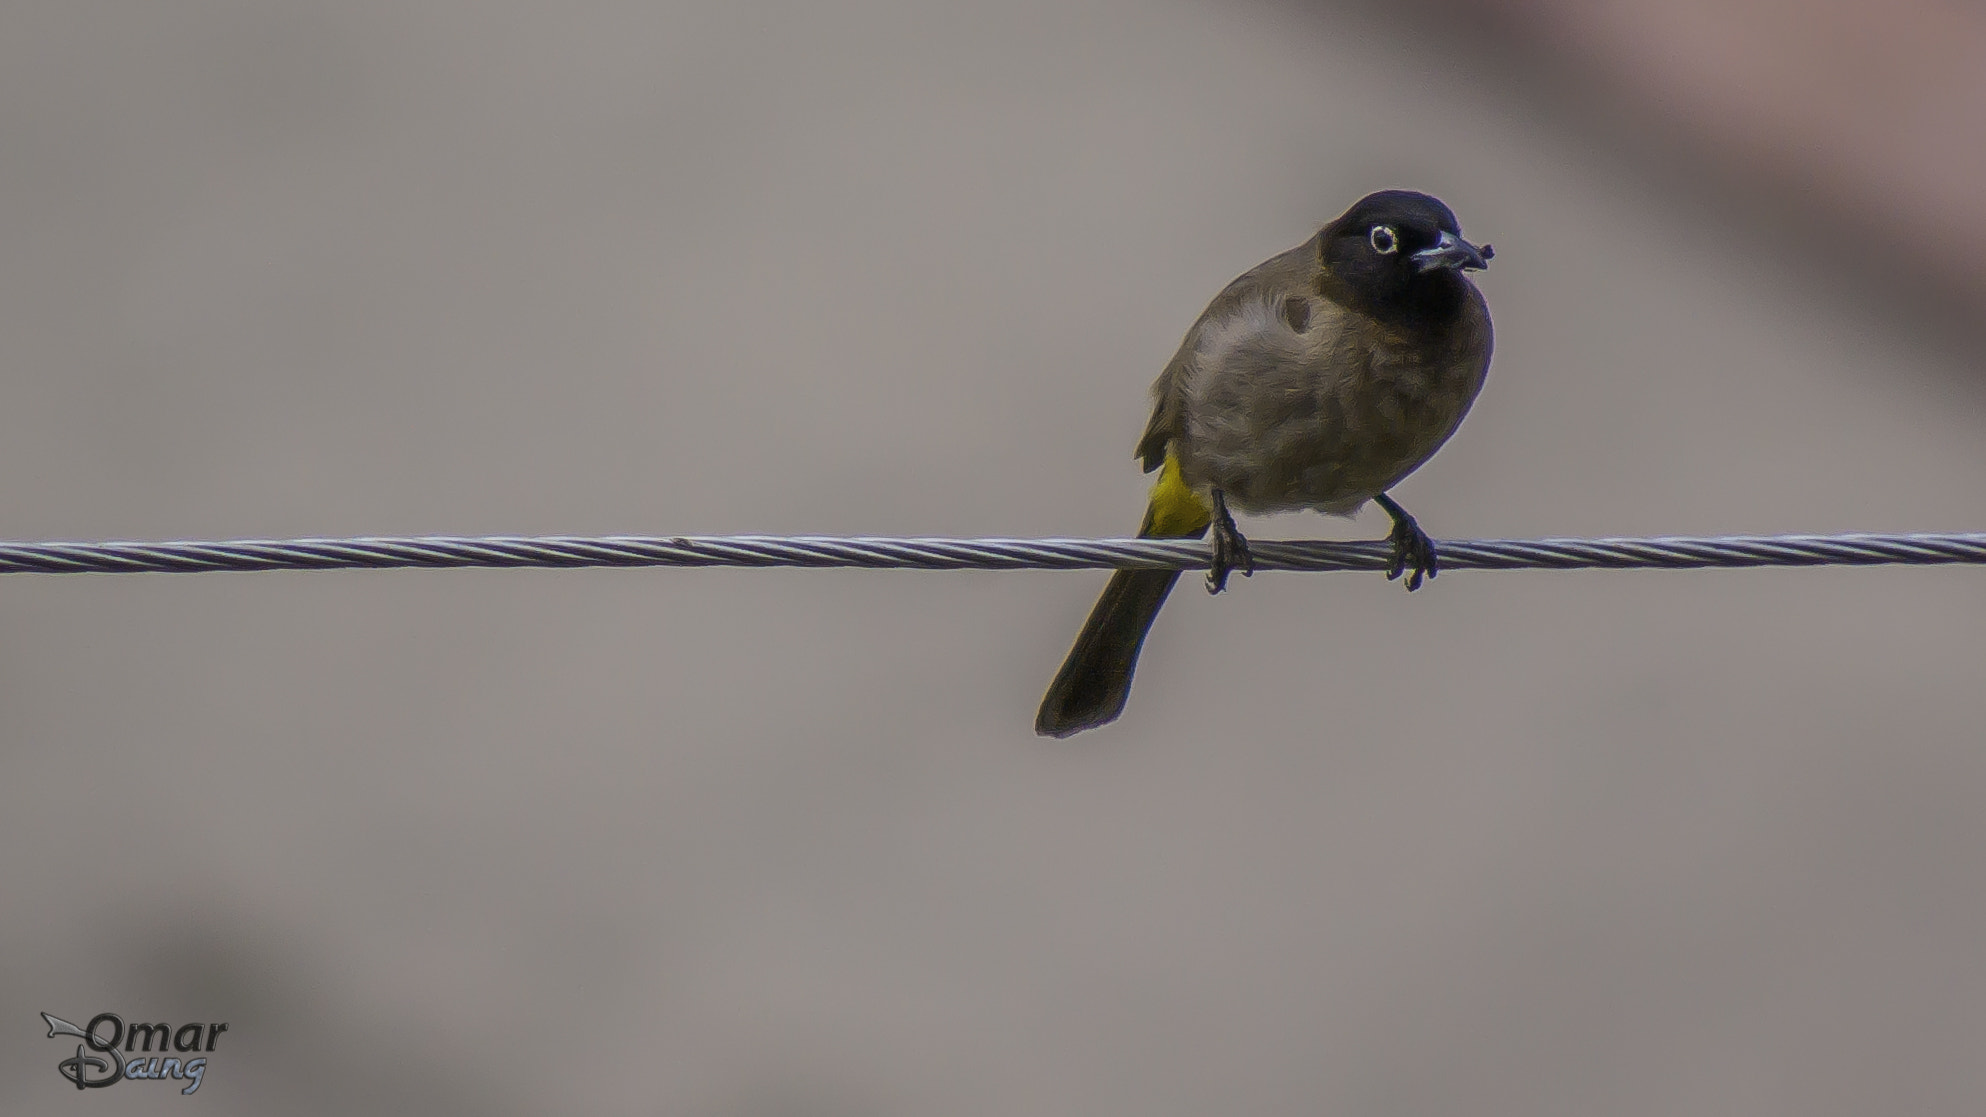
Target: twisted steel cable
(560, 551)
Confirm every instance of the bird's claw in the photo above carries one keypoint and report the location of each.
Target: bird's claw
(1230, 549)
(1413, 553)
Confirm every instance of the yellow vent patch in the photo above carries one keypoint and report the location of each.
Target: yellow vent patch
(1176, 510)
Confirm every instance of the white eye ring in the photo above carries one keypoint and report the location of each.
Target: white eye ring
(1384, 240)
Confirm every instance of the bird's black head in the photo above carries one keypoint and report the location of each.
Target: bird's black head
(1398, 252)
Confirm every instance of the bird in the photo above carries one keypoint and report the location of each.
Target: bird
(1316, 380)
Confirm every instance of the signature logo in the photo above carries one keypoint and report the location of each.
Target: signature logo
(98, 1062)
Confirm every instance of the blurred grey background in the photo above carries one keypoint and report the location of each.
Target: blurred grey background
(768, 843)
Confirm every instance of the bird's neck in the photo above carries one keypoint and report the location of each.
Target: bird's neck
(1434, 301)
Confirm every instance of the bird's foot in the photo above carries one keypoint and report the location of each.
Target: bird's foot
(1413, 551)
(1230, 549)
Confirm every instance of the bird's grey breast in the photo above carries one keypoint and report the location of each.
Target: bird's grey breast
(1294, 402)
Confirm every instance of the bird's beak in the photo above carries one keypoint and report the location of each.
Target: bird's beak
(1452, 251)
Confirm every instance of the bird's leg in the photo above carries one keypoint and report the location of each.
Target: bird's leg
(1413, 551)
(1230, 549)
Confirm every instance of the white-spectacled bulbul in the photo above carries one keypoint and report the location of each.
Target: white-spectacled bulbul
(1317, 380)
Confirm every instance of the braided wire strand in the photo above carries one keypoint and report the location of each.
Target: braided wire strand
(814, 551)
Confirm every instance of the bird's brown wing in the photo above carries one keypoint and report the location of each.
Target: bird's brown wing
(1294, 270)
(1168, 410)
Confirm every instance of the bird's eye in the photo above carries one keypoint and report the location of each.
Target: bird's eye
(1384, 240)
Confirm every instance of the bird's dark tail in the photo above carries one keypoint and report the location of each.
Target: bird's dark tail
(1096, 678)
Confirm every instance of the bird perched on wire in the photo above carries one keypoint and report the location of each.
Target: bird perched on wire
(1317, 380)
